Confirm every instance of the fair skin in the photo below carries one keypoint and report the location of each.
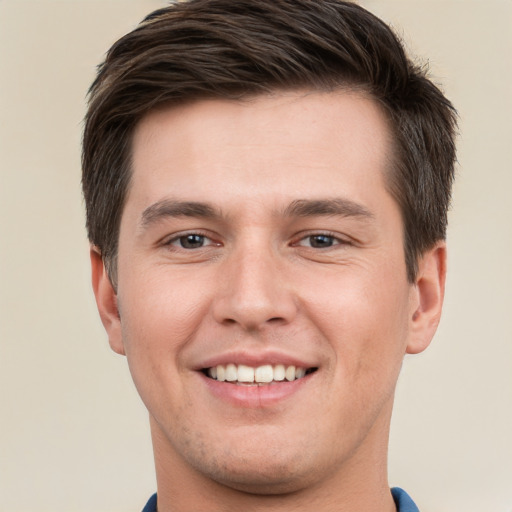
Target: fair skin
(260, 233)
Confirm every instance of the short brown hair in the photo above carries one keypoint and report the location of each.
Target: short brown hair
(236, 49)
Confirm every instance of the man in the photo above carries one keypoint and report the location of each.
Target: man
(266, 184)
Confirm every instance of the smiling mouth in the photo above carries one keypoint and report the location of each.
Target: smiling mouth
(256, 376)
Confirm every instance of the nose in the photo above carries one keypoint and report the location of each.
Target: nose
(253, 290)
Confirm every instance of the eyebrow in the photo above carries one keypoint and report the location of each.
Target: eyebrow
(299, 208)
(173, 208)
(318, 207)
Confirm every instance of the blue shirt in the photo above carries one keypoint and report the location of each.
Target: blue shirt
(403, 502)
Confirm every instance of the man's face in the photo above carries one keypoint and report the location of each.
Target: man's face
(258, 236)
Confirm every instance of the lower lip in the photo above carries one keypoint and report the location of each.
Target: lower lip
(255, 396)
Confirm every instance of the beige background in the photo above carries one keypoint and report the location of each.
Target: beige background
(73, 433)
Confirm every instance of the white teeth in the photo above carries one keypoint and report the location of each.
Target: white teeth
(221, 373)
(290, 373)
(264, 374)
(279, 372)
(245, 373)
(231, 373)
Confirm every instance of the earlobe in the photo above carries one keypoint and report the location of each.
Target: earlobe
(106, 300)
(428, 298)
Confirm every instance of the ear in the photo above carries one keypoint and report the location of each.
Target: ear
(427, 300)
(106, 300)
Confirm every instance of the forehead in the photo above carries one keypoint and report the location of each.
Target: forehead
(292, 144)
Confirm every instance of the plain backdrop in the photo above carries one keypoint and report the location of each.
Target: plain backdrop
(73, 432)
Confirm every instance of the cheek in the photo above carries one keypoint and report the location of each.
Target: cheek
(364, 316)
(158, 319)
(163, 306)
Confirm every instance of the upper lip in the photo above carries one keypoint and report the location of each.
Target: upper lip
(255, 359)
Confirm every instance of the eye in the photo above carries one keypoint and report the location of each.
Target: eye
(319, 241)
(190, 241)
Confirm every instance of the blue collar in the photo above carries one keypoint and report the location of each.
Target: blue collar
(403, 502)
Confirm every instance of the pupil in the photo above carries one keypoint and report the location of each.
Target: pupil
(321, 241)
(192, 241)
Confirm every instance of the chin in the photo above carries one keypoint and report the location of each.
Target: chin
(262, 478)
(262, 467)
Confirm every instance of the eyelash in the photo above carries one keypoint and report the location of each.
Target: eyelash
(335, 240)
(181, 239)
(178, 239)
